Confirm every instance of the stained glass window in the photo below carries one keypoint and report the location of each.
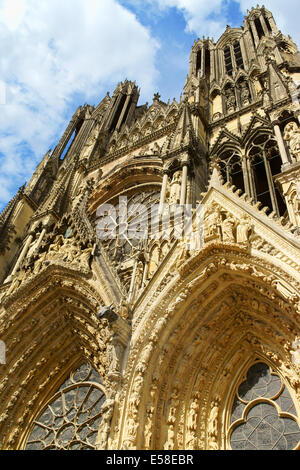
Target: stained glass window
(263, 414)
(72, 417)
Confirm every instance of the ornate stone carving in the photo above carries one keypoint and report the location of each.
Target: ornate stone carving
(292, 136)
(175, 188)
(171, 420)
(191, 437)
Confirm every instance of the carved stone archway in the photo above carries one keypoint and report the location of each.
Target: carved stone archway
(228, 308)
(49, 328)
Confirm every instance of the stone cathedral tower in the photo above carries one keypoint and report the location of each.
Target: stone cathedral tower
(162, 342)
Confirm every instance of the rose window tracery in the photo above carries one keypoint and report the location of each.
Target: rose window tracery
(263, 414)
(72, 417)
(127, 227)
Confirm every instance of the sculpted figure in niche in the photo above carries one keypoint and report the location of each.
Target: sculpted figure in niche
(148, 427)
(33, 246)
(228, 226)
(175, 188)
(115, 353)
(20, 276)
(183, 253)
(83, 258)
(69, 252)
(104, 430)
(39, 262)
(90, 142)
(292, 136)
(213, 419)
(230, 99)
(212, 223)
(243, 230)
(55, 247)
(245, 93)
(170, 442)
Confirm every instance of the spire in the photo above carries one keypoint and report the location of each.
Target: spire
(183, 133)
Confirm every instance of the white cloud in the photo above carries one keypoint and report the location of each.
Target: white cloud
(50, 51)
(205, 17)
(210, 17)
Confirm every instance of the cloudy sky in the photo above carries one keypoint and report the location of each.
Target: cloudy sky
(56, 55)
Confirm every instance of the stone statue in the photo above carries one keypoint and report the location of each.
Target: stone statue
(213, 419)
(20, 276)
(192, 418)
(82, 258)
(230, 99)
(175, 188)
(170, 442)
(183, 253)
(243, 230)
(115, 353)
(55, 247)
(245, 93)
(228, 226)
(33, 246)
(292, 136)
(40, 261)
(70, 252)
(104, 430)
(148, 427)
(212, 223)
(90, 142)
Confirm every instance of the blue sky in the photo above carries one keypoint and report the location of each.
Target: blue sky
(55, 56)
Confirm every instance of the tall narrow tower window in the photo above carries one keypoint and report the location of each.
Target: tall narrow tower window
(199, 61)
(268, 24)
(265, 164)
(238, 55)
(259, 28)
(118, 113)
(69, 143)
(207, 63)
(228, 60)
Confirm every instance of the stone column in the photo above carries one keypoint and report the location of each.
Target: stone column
(282, 149)
(145, 273)
(184, 184)
(245, 169)
(21, 258)
(43, 233)
(130, 294)
(163, 193)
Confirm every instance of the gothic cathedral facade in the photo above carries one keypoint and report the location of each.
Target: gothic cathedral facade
(162, 342)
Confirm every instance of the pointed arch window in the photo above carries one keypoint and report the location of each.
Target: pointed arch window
(231, 169)
(228, 60)
(71, 418)
(238, 55)
(263, 415)
(268, 23)
(265, 163)
(199, 62)
(259, 28)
